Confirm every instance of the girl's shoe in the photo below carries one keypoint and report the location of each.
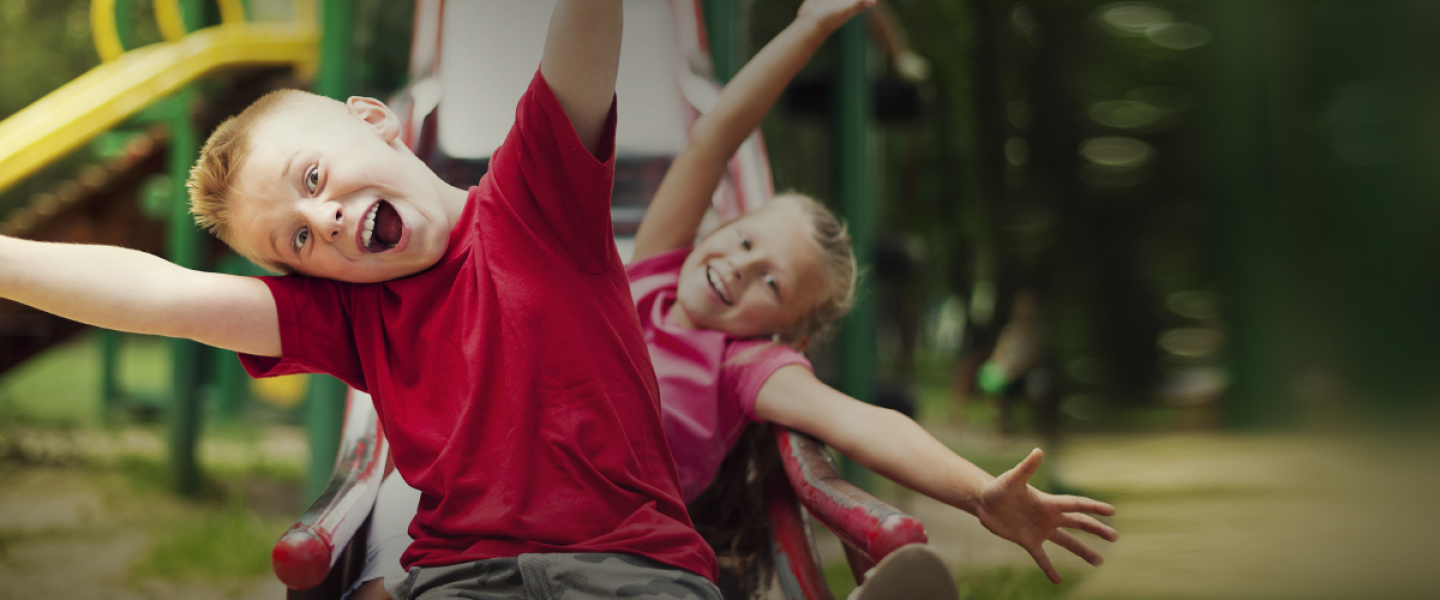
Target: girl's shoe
(913, 572)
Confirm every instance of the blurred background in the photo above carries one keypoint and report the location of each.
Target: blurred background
(1187, 247)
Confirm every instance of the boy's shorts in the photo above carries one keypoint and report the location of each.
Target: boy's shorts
(553, 577)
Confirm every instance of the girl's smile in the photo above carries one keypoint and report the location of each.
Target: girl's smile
(753, 277)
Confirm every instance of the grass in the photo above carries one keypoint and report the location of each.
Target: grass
(213, 537)
(1011, 583)
(61, 386)
(998, 583)
(229, 544)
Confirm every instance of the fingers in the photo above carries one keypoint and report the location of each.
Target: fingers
(1020, 474)
(1078, 504)
(1038, 553)
(1069, 542)
(1090, 525)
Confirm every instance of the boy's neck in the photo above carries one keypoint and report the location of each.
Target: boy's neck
(454, 198)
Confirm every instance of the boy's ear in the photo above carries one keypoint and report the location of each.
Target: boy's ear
(377, 115)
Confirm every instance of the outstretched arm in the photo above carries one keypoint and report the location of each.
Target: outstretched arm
(581, 60)
(685, 192)
(124, 289)
(896, 447)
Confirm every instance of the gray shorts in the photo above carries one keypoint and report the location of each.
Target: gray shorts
(553, 577)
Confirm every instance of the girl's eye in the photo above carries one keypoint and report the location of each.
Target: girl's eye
(744, 242)
(301, 237)
(775, 287)
(312, 180)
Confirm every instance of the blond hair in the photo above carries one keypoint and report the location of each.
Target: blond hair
(212, 179)
(832, 238)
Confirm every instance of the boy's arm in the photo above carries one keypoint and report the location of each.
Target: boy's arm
(685, 192)
(896, 447)
(128, 290)
(581, 61)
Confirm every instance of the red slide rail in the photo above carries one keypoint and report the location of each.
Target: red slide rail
(869, 528)
(303, 556)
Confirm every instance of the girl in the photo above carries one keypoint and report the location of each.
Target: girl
(726, 318)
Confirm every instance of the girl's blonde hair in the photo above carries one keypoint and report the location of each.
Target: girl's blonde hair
(832, 239)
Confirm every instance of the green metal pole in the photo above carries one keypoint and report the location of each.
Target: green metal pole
(109, 378)
(1243, 187)
(184, 248)
(229, 379)
(853, 189)
(184, 244)
(722, 26)
(325, 396)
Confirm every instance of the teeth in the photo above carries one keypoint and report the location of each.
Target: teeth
(369, 225)
(713, 277)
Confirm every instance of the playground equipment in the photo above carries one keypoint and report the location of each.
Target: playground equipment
(130, 81)
(666, 79)
(323, 553)
(155, 80)
(88, 209)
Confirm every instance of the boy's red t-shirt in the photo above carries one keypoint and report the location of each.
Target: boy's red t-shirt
(511, 377)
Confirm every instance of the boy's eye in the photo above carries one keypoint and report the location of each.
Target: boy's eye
(744, 242)
(301, 237)
(774, 287)
(312, 180)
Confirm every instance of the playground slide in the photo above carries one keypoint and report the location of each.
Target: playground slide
(84, 209)
(106, 95)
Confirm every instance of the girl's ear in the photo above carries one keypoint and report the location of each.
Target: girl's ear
(375, 114)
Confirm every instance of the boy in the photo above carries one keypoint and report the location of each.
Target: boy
(494, 327)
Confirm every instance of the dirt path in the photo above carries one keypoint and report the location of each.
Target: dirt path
(81, 514)
(1277, 516)
(75, 532)
(1202, 516)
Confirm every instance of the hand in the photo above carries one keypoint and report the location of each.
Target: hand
(1010, 508)
(831, 14)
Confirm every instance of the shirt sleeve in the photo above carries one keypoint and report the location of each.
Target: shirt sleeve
(748, 365)
(558, 191)
(315, 333)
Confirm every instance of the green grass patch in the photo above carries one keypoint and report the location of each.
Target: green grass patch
(838, 577)
(999, 583)
(60, 387)
(229, 544)
(7, 539)
(1011, 583)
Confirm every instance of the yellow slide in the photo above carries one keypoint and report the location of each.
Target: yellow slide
(106, 95)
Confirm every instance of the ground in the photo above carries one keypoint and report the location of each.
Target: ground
(85, 511)
(85, 514)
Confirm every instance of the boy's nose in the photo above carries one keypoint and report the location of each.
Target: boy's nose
(328, 221)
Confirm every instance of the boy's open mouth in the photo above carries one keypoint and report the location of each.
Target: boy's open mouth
(713, 278)
(382, 228)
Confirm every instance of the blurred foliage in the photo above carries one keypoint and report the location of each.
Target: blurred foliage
(1222, 205)
(43, 45)
(46, 44)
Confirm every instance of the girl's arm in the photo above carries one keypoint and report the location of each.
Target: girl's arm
(897, 448)
(128, 290)
(685, 192)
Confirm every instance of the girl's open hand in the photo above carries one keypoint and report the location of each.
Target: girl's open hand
(831, 14)
(1010, 508)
